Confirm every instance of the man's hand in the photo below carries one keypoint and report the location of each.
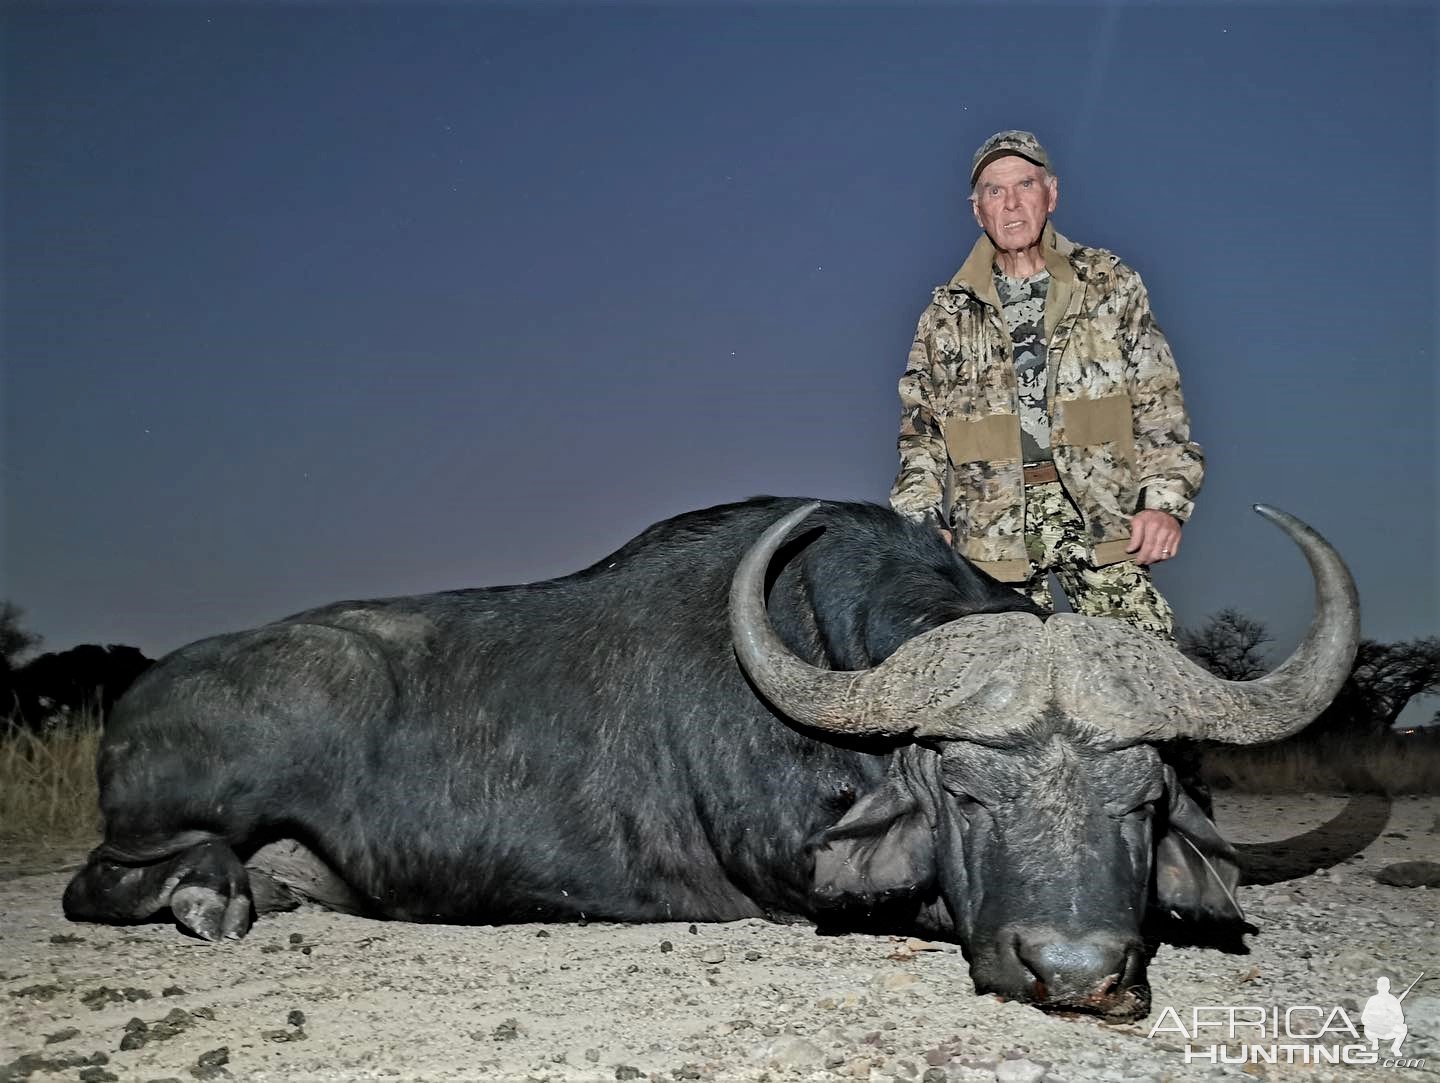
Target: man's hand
(949, 538)
(1154, 536)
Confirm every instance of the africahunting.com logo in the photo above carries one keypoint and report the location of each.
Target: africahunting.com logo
(1299, 1034)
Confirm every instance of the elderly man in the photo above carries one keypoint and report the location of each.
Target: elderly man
(1042, 426)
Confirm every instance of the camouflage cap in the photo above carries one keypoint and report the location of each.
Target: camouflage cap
(1009, 142)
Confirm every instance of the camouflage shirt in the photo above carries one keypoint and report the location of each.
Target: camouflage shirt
(1023, 300)
(1119, 433)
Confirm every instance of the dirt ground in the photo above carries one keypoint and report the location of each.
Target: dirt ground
(313, 995)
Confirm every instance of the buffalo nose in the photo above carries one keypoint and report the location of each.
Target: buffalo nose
(1074, 968)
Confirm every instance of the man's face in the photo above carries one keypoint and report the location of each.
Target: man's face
(1013, 198)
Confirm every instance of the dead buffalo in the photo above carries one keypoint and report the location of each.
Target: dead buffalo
(852, 726)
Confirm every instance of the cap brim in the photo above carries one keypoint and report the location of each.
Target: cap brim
(1001, 152)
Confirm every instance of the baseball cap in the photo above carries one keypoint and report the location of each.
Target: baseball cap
(1008, 142)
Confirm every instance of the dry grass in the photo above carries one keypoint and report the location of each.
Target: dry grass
(48, 798)
(1394, 764)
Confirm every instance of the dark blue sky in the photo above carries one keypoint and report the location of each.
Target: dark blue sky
(316, 301)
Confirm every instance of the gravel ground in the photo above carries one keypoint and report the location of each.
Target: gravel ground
(313, 995)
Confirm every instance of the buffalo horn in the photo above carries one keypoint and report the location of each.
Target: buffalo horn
(1147, 690)
(979, 677)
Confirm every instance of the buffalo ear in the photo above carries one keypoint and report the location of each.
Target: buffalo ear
(880, 851)
(1196, 870)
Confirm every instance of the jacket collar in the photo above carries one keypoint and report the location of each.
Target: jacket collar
(977, 274)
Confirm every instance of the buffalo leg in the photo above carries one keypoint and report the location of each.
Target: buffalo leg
(205, 887)
(285, 873)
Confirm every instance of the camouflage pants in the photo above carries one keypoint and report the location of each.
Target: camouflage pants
(1055, 542)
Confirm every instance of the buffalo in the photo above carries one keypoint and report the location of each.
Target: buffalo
(851, 726)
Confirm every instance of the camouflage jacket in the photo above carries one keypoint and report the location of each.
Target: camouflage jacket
(1119, 431)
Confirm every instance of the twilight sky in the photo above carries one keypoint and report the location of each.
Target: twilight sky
(316, 301)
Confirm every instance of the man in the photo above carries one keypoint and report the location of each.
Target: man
(1042, 426)
(1383, 1018)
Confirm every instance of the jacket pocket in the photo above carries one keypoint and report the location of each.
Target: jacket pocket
(1095, 446)
(989, 518)
(1106, 420)
(982, 439)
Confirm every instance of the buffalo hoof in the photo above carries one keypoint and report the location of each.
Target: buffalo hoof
(212, 892)
(209, 914)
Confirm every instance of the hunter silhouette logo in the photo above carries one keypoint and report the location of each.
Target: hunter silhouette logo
(1383, 1018)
